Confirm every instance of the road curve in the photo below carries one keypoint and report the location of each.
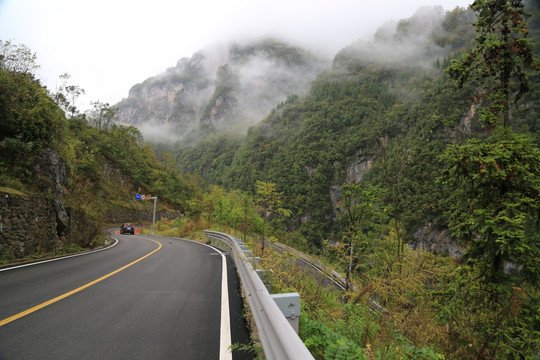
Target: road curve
(147, 297)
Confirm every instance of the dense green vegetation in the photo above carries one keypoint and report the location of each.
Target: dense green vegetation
(356, 110)
(400, 119)
(378, 148)
(463, 159)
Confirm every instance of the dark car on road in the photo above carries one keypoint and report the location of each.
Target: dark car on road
(127, 228)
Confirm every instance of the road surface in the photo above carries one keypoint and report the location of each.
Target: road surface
(147, 297)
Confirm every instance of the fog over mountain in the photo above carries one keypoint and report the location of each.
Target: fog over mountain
(236, 85)
(415, 42)
(226, 86)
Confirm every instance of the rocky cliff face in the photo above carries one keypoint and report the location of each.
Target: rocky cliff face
(175, 97)
(35, 224)
(354, 173)
(437, 241)
(230, 87)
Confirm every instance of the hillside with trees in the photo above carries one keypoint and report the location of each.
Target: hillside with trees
(98, 165)
(426, 138)
(391, 116)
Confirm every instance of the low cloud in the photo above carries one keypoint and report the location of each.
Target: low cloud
(405, 43)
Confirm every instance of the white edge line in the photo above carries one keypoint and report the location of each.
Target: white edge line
(59, 258)
(225, 352)
(225, 333)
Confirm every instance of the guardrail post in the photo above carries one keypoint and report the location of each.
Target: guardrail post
(289, 304)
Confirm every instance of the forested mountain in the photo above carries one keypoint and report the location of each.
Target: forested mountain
(226, 87)
(383, 112)
(428, 136)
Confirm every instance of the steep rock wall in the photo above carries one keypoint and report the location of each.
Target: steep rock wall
(436, 241)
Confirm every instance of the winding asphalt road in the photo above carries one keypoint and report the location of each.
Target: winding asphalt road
(146, 297)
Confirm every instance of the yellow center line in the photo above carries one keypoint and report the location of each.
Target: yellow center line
(63, 296)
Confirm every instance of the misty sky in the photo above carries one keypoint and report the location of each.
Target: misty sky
(107, 46)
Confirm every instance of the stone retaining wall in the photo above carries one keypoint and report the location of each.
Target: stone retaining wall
(121, 216)
(34, 224)
(27, 226)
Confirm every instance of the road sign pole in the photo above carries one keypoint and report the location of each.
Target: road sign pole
(154, 219)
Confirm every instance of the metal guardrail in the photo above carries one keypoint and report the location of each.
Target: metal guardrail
(278, 339)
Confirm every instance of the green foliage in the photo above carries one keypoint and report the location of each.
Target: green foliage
(332, 329)
(456, 29)
(255, 351)
(323, 343)
(498, 214)
(270, 205)
(27, 111)
(273, 49)
(360, 212)
(103, 115)
(29, 122)
(495, 208)
(211, 157)
(233, 210)
(107, 164)
(326, 343)
(487, 320)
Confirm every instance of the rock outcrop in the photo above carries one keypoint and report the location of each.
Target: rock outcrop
(223, 87)
(437, 241)
(31, 225)
(37, 224)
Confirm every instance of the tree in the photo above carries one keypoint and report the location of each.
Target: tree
(66, 95)
(103, 115)
(496, 211)
(499, 59)
(495, 181)
(395, 163)
(244, 214)
(17, 58)
(270, 203)
(358, 208)
(27, 113)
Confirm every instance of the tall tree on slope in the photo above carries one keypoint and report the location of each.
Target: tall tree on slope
(496, 180)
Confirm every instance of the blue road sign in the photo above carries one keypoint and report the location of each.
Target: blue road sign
(138, 196)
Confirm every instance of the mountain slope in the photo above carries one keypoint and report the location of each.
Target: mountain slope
(382, 115)
(229, 87)
(73, 173)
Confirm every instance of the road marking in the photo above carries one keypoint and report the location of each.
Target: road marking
(225, 329)
(59, 258)
(225, 352)
(69, 293)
